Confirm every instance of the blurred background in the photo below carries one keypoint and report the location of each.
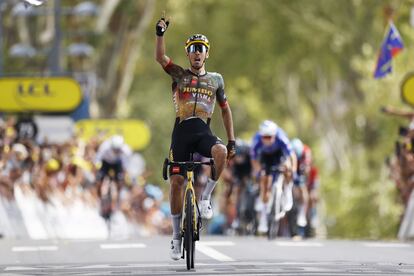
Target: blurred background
(307, 65)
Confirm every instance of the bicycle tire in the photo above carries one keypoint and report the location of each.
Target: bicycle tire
(189, 238)
(273, 224)
(164, 169)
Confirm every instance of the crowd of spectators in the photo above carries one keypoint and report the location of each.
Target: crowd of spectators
(67, 171)
(401, 163)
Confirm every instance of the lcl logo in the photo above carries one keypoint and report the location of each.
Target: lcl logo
(34, 89)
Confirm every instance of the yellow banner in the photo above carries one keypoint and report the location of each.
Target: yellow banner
(54, 94)
(135, 132)
(407, 89)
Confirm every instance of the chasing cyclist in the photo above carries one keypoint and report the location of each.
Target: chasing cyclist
(304, 163)
(194, 93)
(112, 156)
(239, 193)
(271, 148)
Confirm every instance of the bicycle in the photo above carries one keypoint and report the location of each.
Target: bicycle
(191, 220)
(278, 204)
(108, 198)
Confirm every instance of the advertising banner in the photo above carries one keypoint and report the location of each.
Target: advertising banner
(407, 89)
(54, 94)
(135, 132)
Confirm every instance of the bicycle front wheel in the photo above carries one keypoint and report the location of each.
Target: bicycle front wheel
(189, 231)
(273, 224)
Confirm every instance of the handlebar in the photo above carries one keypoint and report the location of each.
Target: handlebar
(189, 166)
(279, 169)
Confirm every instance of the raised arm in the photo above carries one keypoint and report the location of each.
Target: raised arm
(401, 113)
(160, 29)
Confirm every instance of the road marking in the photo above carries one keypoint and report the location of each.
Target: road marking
(298, 244)
(386, 245)
(261, 264)
(206, 249)
(122, 245)
(34, 248)
(95, 267)
(216, 243)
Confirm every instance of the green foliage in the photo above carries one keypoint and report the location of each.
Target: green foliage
(307, 65)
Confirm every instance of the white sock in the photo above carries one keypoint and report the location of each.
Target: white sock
(209, 189)
(263, 213)
(176, 223)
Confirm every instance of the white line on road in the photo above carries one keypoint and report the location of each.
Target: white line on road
(34, 248)
(216, 243)
(122, 245)
(95, 267)
(386, 245)
(205, 248)
(171, 264)
(298, 244)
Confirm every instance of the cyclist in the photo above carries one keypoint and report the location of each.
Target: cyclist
(113, 155)
(312, 185)
(238, 191)
(194, 92)
(270, 148)
(304, 162)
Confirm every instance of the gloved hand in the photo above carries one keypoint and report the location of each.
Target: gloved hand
(231, 149)
(296, 178)
(162, 26)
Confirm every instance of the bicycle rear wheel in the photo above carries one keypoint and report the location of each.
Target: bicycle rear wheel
(189, 231)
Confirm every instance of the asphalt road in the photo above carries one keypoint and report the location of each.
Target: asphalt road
(214, 256)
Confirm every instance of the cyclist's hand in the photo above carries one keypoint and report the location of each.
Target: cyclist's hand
(231, 149)
(287, 171)
(296, 178)
(384, 109)
(162, 25)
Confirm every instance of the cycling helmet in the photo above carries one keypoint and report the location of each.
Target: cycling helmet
(34, 2)
(242, 147)
(268, 128)
(297, 146)
(117, 141)
(197, 39)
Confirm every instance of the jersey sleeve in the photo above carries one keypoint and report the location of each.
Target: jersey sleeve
(126, 155)
(175, 71)
(307, 159)
(220, 95)
(104, 147)
(284, 142)
(254, 150)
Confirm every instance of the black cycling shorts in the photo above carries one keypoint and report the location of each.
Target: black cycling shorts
(107, 169)
(271, 160)
(190, 136)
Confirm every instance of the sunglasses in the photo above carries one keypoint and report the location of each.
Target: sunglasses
(197, 47)
(267, 137)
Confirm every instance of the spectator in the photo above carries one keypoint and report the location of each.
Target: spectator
(65, 172)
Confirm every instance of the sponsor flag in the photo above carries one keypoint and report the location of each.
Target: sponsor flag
(390, 47)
